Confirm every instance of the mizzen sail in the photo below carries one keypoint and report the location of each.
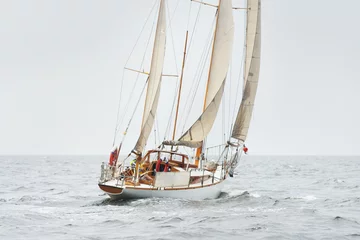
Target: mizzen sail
(154, 80)
(252, 69)
(221, 55)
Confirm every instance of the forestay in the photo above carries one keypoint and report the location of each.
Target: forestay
(221, 55)
(154, 81)
(252, 68)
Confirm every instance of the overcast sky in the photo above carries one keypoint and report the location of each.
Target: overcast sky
(61, 64)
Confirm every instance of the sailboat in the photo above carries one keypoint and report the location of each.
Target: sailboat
(184, 166)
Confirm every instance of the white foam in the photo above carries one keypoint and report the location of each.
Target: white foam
(309, 198)
(255, 195)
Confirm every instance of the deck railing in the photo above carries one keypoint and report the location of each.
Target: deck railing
(109, 172)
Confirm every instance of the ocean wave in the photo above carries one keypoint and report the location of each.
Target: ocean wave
(339, 218)
(21, 188)
(307, 198)
(115, 221)
(155, 219)
(61, 193)
(354, 235)
(109, 201)
(265, 209)
(250, 206)
(207, 219)
(245, 196)
(235, 194)
(37, 216)
(256, 228)
(336, 180)
(27, 198)
(174, 220)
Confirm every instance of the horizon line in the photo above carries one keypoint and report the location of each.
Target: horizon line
(260, 154)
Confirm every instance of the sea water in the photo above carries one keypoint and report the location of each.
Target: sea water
(270, 197)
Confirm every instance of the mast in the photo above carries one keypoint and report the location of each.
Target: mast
(219, 64)
(252, 69)
(199, 149)
(154, 81)
(180, 86)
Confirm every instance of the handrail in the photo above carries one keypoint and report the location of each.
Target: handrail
(121, 178)
(190, 177)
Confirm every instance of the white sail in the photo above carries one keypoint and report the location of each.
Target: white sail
(154, 81)
(222, 49)
(252, 68)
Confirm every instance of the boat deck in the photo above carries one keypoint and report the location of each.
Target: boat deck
(211, 179)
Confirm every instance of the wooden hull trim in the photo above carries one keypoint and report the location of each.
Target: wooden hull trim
(111, 189)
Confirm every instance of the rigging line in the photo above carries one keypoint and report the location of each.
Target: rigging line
(223, 117)
(123, 74)
(197, 83)
(137, 77)
(136, 106)
(203, 60)
(188, 21)
(188, 52)
(173, 14)
(238, 84)
(167, 131)
(230, 95)
(241, 73)
(143, 27)
(177, 71)
(126, 108)
(172, 39)
(118, 108)
(198, 69)
(194, 30)
(158, 131)
(155, 132)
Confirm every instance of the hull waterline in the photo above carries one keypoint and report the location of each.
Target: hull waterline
(194, 193)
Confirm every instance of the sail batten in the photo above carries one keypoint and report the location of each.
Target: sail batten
(251, 71)
(220, 60)
(154, 82)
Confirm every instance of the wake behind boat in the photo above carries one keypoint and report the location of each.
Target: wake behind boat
(169, 170)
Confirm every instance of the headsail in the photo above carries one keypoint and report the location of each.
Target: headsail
(222, 49)
(154, 81)
(252, 68)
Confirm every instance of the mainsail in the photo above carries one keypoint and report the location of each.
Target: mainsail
(154, 80)
(221, 55)
(251, 73)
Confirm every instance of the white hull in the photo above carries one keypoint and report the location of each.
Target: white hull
(194, 193)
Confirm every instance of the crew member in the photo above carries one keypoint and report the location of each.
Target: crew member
(166, 169)
(158, 164)
(245, 149)
(113, 156)
(133, 164)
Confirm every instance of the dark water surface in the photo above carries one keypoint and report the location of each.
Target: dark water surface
(57, 197)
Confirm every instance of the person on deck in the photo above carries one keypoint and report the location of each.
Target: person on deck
(113, 156)
(158, 164)
(166, 169)
(133, 164)
(245, 149)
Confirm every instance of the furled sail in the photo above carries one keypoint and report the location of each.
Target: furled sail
(154, 80)
(221, 55)
(252, 68)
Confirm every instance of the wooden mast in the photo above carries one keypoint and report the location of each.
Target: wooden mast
(199, 150)
(180, 86)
